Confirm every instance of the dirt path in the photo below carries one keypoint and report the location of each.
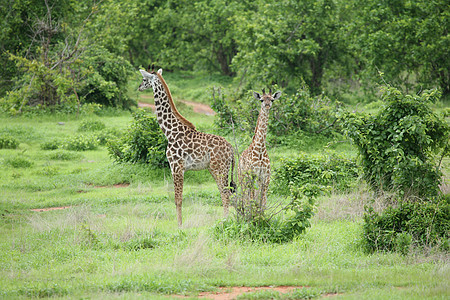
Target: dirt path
(199, 108)
(50, 208)
(229, 293)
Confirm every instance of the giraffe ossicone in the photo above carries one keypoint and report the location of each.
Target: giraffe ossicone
(189, 149)
(254, 162)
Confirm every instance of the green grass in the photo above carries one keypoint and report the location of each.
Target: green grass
(123, 242)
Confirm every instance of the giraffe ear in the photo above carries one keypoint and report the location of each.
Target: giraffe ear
(257, 95)
(145, 74)
(160, 71)
(276, 95)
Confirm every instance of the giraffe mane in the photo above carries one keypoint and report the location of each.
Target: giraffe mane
(172, 104)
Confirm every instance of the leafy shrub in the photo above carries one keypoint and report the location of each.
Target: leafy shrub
(144, 142)
(325, 170)
(101, 77)
(50, 145)
(398, 145)
(148, 241)
(106, 135)
(142, 243)
(8, 142)
(276, 227)
(19, 162)
(64, 155)
(80, 143)
(43, 292)
(302, 111)
(49, 171)
(424, 223)
(107, 83)
(88, 125)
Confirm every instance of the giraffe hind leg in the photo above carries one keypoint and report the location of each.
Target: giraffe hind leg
(225, 192)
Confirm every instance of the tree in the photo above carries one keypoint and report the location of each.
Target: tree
(189, 34)
(399, 146)
(61, 65)
(23, 27)
(286, 42)
(408, 41)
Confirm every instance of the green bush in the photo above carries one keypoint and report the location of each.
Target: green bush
(107, 82)
(144, 142)
(88, 125)
(8, 142)
(273, 227)
(63, 155)
(106, 135)
(302, 111)
(19, 162)
(424, 223)
(50, 145)
(332, 170)
(80, 143)
(399, 145)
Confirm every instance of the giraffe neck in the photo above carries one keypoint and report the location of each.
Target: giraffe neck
(169, 119)
(259, 139)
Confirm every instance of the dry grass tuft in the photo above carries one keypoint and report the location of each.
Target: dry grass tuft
(351, 206)
(343, 207)
(198, 215)
(195, 257)
(64, 219)
(232, 261)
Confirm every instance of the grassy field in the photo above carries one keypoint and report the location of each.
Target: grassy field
(117, 235)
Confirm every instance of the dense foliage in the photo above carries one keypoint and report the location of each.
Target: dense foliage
(406, 40)
(330, 171)
(144, 142)
(51, 61)
(422, 223)
(400, 144)
(273, 227)
(8, 142)
(73, 52)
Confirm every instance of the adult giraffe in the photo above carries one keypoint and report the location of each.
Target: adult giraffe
(189, 149)
(254, 163)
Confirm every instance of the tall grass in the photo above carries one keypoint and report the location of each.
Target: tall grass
(123, 241)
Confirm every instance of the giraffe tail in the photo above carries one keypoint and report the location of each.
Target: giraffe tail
(233, 185)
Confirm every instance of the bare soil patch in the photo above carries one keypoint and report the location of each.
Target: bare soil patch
(228, 293)
(199, 108)
(118, 185)
(142, 104)
(50, 208)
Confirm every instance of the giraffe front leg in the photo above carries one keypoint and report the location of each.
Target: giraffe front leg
(178, 179)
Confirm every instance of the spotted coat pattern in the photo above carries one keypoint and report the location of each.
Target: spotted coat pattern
(189, 149)
(254, 162)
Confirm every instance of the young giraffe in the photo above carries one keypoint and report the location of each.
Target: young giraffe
(189, 149)
(254, 163)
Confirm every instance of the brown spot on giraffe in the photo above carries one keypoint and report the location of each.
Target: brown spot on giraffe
(189, 149)
(254, 163)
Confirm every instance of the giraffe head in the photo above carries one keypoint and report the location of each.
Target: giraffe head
(149, 79)
(266, 99)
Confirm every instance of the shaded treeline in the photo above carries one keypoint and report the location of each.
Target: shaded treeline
(60, 51)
